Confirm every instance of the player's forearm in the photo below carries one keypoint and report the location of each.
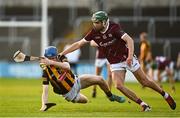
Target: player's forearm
(64, 65)
(73, 47)
(130, 44)
(131, 49)
(33, 58)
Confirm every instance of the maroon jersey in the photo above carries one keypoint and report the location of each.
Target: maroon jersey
(110, 42)
(162, 62)
(100, 54)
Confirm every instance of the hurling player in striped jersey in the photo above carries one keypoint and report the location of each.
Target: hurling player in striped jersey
(118, 48)
(56, 70)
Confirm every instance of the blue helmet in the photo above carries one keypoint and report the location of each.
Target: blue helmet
(50, 51)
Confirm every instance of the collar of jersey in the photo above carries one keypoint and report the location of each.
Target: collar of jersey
(107, 22)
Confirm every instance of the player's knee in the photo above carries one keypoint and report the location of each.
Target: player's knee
(119, 86)
(100, 80)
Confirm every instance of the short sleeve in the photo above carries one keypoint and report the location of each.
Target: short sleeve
(118, 31)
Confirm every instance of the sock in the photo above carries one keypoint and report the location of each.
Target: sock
(140, 102)
(143, 103)
(109, 94)
(166, 95)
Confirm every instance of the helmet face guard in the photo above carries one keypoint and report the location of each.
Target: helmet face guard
(99, 16)
(50, 51)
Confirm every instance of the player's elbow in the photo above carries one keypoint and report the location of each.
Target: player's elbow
(67, 67)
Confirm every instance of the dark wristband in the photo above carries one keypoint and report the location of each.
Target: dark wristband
(27, 58)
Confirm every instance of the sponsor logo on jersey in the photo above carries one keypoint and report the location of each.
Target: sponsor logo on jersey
(107, 43)
(110, 35)
(104, 37)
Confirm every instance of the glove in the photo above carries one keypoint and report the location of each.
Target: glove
(59, 56)
(43, 66)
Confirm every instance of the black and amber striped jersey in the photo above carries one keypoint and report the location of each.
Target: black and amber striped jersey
(145, 48)
(62, 80)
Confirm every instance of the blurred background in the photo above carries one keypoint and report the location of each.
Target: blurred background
(32, 25)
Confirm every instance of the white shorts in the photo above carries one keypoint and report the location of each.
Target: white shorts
(101, 62)
(123, 66)
(74, 94)
(171, 66)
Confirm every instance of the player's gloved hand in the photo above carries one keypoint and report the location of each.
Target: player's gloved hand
(47, 106)
(59, 56)
(43, 66)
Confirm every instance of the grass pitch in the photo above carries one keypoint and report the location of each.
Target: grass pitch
(22, 98)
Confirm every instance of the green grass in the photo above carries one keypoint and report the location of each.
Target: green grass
(22, 98)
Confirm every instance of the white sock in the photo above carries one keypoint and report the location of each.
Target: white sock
(143, 103)
(166, 95)
(44, 97)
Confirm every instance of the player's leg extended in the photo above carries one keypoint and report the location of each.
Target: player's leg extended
(88, 80)
(98, 72)
(118, 77)
(143, 79)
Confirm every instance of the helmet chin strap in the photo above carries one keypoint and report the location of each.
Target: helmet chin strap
(105, 25)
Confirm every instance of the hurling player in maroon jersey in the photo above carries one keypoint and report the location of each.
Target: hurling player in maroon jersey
(118, 47)
(165, 66)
